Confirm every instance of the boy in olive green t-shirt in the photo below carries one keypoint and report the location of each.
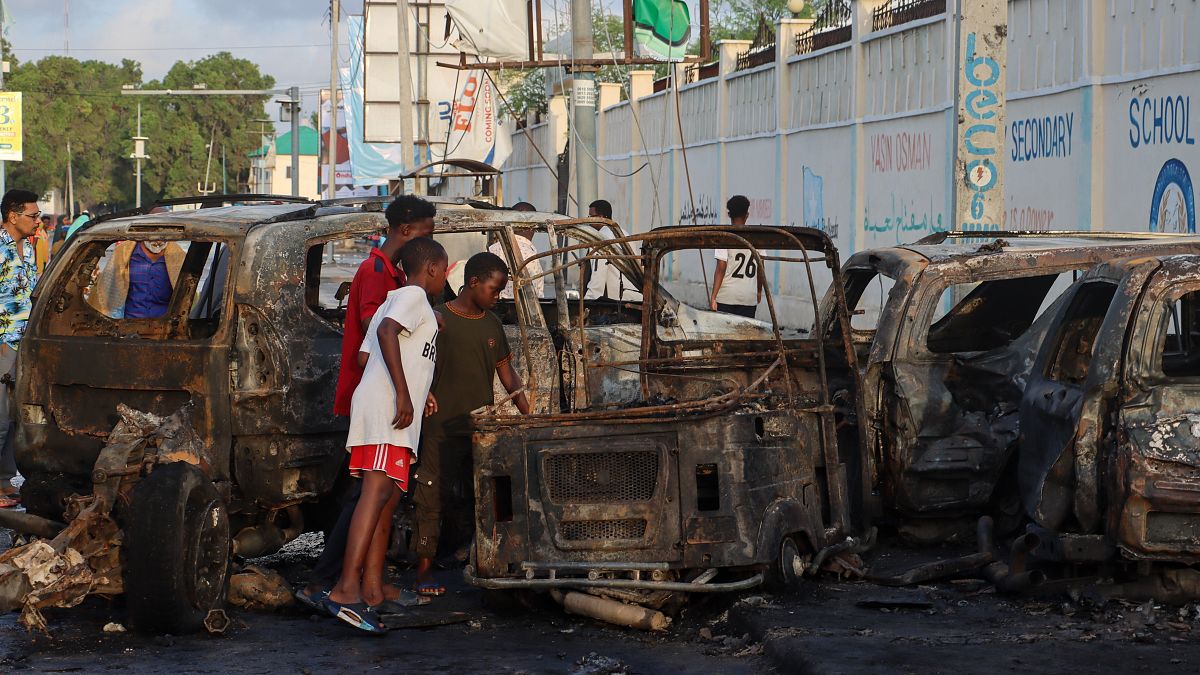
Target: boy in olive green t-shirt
(471, 350)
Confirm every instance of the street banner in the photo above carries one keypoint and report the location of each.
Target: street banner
(343, 171)
(980, 107)
(10, 126)
(662, 28)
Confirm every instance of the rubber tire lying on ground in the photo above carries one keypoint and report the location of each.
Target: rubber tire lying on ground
(176, 550)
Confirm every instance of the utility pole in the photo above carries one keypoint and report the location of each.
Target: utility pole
(583, 95)
(291, 105)
(424, 47)
(70, 183)
(206, 188)
(406, 94)
(335, 8)
(139, 153)
(294, 95)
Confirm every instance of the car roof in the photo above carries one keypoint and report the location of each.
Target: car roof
(1001, 247)
(236, 220)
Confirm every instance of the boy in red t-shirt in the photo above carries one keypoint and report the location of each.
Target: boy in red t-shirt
(408, 217)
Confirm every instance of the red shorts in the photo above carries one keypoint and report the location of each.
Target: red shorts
(392, 460)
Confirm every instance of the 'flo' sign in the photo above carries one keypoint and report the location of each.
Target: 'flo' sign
(979, 180)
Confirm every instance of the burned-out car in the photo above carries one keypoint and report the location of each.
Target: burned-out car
(706, 458)
(249, 348)
(1109, 462)
(946, 331)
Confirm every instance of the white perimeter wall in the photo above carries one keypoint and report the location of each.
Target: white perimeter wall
(856, 139)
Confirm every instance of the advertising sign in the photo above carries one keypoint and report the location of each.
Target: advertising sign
(10, 126)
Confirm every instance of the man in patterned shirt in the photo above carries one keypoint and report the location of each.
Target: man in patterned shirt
(18, 273)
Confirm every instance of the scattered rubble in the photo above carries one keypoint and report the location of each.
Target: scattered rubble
(85, 557)
(256, 588)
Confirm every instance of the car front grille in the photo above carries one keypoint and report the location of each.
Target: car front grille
(601, 477)
(602, 530)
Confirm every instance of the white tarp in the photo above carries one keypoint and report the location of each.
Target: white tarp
(493, 28)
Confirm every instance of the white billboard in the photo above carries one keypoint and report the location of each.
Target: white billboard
(461, 114)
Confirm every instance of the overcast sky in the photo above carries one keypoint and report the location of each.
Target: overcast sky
(288, 39)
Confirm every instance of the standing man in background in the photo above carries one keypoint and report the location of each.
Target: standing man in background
(606, 281)
(735, 283)
(18, 274)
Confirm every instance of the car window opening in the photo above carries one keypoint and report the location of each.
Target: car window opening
(1180, 348)
(992, 314)
(149, 289)
(1076, 341)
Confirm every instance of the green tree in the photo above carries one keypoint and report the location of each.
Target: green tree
(80, 101)
(77, 101)
(738, 19)
(180, 128)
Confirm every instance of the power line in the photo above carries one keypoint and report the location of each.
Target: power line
(169, 49)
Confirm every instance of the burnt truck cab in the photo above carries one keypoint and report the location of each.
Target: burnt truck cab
(1110, 434)
(946, 331)
(709, 459)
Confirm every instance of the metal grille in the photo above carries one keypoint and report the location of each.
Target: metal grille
(761, 51)
(602, 530)
(898, 12)
(601, 477)
(831, 28)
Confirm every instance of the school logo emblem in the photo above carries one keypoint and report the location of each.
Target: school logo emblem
(492, 343)
(1173, 208)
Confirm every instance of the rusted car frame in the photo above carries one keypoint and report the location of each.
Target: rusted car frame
(246, 346)
(1110, 448)
(961, 316)
(720, 465)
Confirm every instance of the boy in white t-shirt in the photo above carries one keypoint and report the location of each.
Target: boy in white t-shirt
(385, 424)
(736, 287)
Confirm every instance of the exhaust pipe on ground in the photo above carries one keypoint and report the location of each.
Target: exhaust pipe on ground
(1012, 577)
(611, 611)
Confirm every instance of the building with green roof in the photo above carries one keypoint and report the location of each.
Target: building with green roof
(272, 164)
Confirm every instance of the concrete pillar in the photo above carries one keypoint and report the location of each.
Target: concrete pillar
(727, 53)
(641, 84)
(607, 94)
(558, 128)
(979, 105)
(861, 18)
(1092, 127)
(785, 48)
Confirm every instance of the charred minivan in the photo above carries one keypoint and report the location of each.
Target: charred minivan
(250, 346)
(1110, 422)
(707, 455)
(946, 331)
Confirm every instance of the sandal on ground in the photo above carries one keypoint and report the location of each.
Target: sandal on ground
(314, 601)
(430, 589)
(406, 600)
(358, 615)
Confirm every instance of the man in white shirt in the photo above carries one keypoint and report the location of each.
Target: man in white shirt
(524, 249)
(736, 287)
(606, 281)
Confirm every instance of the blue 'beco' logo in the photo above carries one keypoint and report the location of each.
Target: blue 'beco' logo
(1173, 208)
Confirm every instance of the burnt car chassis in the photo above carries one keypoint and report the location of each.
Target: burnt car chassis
(724, 468)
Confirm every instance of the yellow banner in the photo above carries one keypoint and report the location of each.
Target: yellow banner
(10, 126)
